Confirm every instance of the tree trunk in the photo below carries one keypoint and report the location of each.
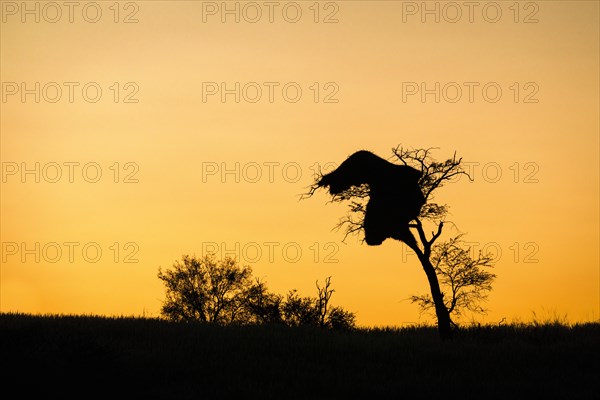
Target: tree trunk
(443, 316)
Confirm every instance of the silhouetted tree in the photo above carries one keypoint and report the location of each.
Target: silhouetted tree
(352, 182)
(206, 290)
(464, 282)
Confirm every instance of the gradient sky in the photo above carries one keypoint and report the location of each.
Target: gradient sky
(534, 149)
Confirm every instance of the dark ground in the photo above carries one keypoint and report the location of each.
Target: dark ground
(94, 357)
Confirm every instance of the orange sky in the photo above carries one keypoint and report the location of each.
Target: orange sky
(163, 138)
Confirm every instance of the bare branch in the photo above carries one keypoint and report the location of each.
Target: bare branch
(436, 235)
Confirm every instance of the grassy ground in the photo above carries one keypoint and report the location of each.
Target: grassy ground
(84, 357)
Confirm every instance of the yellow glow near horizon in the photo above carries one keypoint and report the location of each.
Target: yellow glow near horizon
(168, 185)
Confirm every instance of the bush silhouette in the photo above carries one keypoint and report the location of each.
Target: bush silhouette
(223, 292)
